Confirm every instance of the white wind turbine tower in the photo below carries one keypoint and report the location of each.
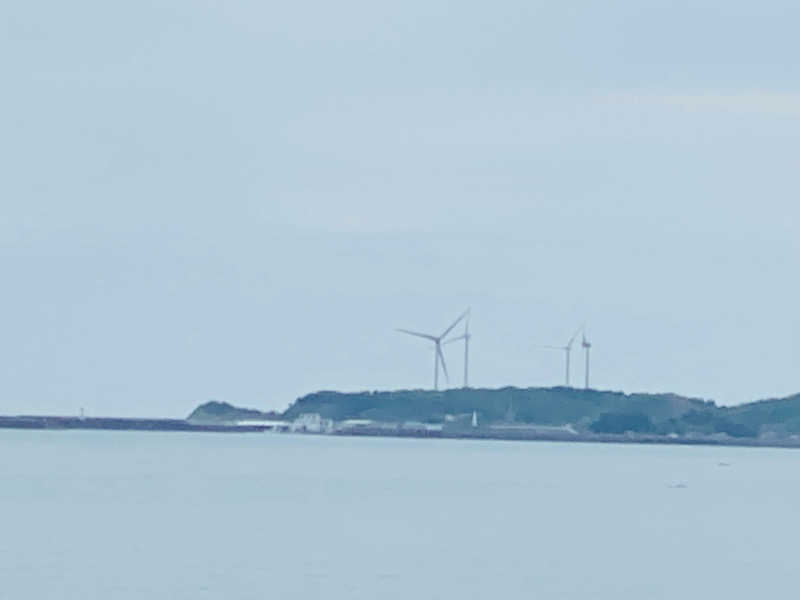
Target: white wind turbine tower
(466, 336)
(586, 346)
(567, 350)
(437, 340)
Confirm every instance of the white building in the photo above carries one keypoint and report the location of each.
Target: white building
(311, 423)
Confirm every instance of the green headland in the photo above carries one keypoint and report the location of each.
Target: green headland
(584, 411)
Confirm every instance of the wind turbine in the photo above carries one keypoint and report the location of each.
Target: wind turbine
(586, 346)
(466, 336)
(567, 351)
(437, 340)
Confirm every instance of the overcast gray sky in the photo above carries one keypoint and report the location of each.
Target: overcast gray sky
(241, 200)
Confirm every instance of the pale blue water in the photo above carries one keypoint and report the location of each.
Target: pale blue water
(96, 515)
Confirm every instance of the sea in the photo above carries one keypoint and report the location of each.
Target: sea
(93, 515)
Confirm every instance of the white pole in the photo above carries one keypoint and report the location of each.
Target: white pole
(587, 367)
(436, 367)
(466, 361)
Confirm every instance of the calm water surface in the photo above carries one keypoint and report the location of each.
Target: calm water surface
(102, 515)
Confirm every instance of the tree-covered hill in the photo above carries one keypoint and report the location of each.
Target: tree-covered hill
(221, 412)
(586, 410)
(546, 406)
(781, 415)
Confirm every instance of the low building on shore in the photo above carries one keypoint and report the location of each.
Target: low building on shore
(311, 423)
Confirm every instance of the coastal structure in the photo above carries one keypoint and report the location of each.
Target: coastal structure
(311, 423)
(266, 425)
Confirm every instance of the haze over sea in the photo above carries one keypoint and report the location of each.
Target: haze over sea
(241, 200)
(97, 515)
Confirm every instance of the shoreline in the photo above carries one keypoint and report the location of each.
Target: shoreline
(56, 423)
(579, 438)
(119, 424)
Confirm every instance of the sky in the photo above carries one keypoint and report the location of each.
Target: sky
(242, 200)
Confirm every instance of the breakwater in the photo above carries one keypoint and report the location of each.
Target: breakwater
(118, 424)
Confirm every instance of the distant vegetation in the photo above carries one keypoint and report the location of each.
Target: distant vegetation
(585, 410)
(544, 406)
(221, 412)
(622, 423)
(779, 416)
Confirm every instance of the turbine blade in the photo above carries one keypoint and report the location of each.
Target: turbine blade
(441, 359)
(416, 333)
(572, 339)
(456, 322)
(456, 339)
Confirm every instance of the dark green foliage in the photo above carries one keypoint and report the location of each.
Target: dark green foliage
(716, 421)
(606, 412)
(545, 406)
(222, 412)
(782, 414)
(623, 423)
(672, 426)
(735, 429)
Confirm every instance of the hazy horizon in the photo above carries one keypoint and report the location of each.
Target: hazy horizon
(241, 202)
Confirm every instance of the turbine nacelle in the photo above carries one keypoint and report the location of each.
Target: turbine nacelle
(567, 350)
(437, 341)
